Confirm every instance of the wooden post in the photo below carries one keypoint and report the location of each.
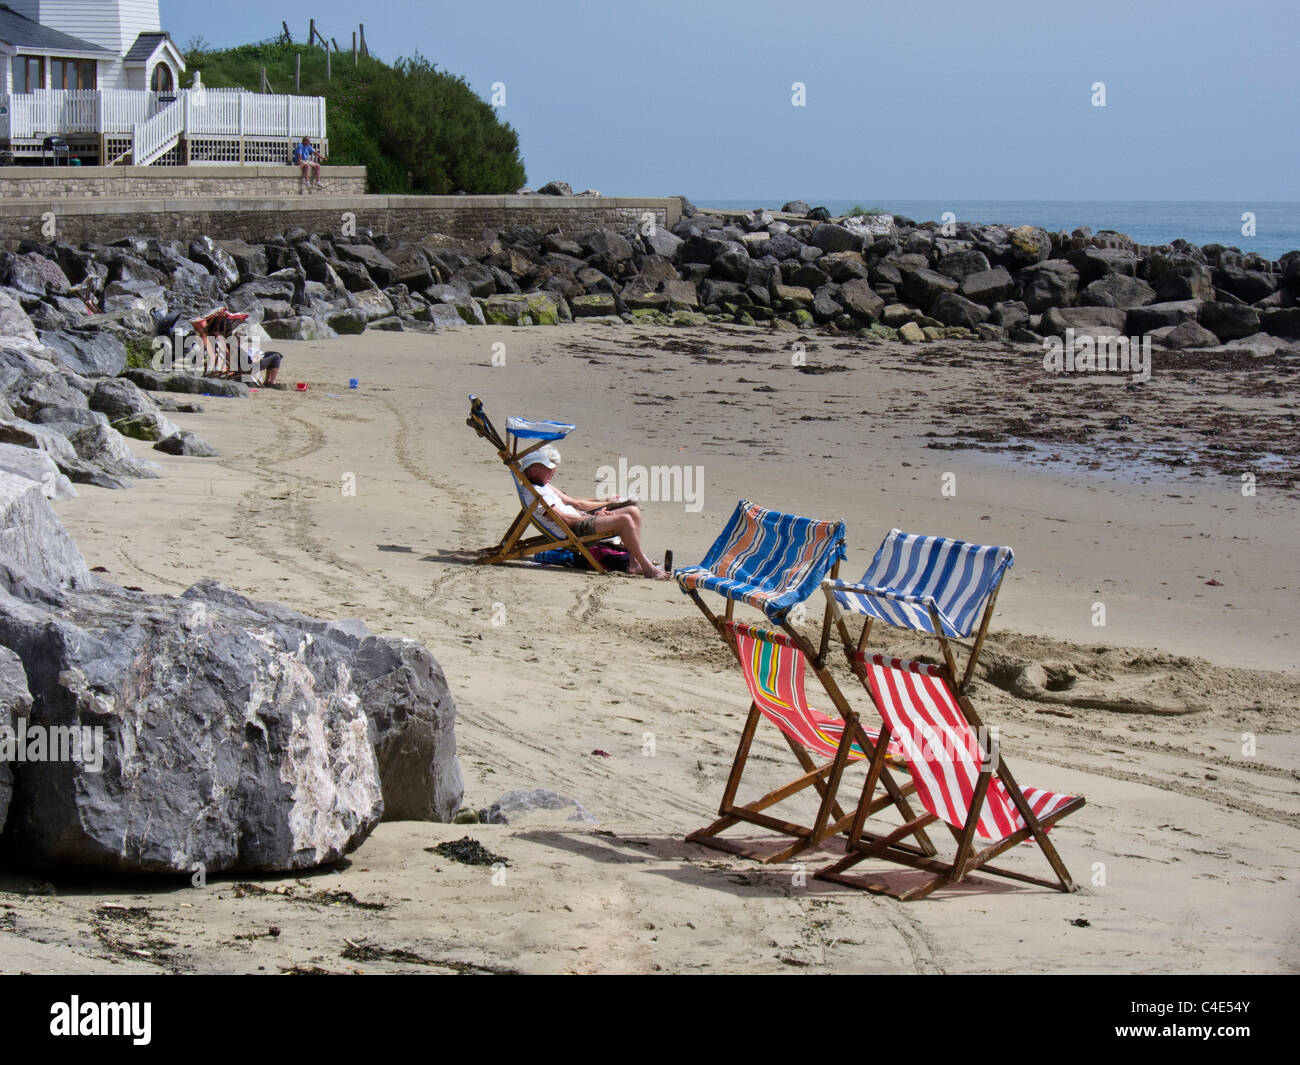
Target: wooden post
(328, 75)
(297, 72)
(311, 32)
(354, 47)
(288, 37)
(364, 50)
(335, 43)
(264, 85)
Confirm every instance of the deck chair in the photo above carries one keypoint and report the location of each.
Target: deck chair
(525, 436)
(773, 562)
(961, 779)
(927, 584)
(214, 329)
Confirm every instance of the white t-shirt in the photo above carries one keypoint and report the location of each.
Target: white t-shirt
(552, 497)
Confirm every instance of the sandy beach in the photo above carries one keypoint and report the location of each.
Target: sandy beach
(612, 690)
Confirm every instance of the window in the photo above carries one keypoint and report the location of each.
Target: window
(72, 73)
(29, 72)
(161, 81)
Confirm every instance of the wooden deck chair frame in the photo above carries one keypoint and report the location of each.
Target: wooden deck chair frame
(862, 845)
(825, 778)
(216, 363)
(514, 545)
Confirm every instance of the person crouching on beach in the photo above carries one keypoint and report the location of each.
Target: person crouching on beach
(587, 516)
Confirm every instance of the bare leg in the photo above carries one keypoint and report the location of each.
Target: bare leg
(271, 374)
(622, 524)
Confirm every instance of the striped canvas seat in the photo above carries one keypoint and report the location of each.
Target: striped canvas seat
(536, 511)
(911, 572)
(767, 559)
(943, 751)
(774, 672)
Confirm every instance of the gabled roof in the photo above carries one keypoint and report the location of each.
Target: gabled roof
(24, 33)
(147, 45)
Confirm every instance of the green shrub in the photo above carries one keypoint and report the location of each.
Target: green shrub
(863, 212)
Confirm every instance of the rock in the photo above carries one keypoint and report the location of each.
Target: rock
(1184, 281)
(556, 188)
(953, 309)
(1229, 321)
(348, 321)
(106, 449)
(32, 538)
(1029, 245)
(299, 327)
(38, 466)
(443, 315)
(1094, 264)
(372, 302)
(1097, 321)
(796, 207)
(789, 297)
(825, 306)
(818, 214)
(515, 805)
(593, 306)
(249, 259)
(219, 262)
(922, 286)
(15, 706)
(870, 226)
(1281, 322)
(860, 300)
(93, 352)
(183, 442)
(682, 295)
(187, 383)
(1009, 314)
(960, 265)
(830, 237)
(1186, 335)
(16, 327)
(1054, 283)
(910, 333)
(380, 267)
(119, 397)
(506, 310)
(606, 250)
(1117, 290)
(987, 286)
(149, 425)
(1156, 315)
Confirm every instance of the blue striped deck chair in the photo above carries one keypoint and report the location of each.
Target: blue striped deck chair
(524, 436)
(773, 562)
(927, 584)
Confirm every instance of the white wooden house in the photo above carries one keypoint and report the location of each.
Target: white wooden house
(105, 77)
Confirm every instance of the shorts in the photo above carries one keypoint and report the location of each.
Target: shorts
(586, 527)
(270, 361)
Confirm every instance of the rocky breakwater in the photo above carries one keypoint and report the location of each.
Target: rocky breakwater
(876, 275)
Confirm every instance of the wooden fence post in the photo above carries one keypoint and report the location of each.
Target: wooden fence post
(354, 47)
(297, 72)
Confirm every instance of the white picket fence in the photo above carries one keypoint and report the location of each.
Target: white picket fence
(154, 121)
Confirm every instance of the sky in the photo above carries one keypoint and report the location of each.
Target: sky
(949, 99)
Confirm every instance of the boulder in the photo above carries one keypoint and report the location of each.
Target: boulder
(1054, 283)
(119, 397)
(910, 333)
(183, 442)
(16, 327)
(593, 306)
(219, 262)
(987, 286)
(380, 267)
(830, 237)
(106, 449)
(796, 207)
(960, 265)
(1187, 335)
(1157, 315)
(1184, 281)
(94, 352)
(661, 242)
(1117, 290)
(1229, 321)
(556, 188)
(1028, 245)
(1098, 321)
(443, 315)
(506, 310)
(682, 295)
(922, 286)
(348, 321)
(33, 540)
(372, 302)
(1096, 263)
(38, 466)
(860, 300)
(1281, 322)
(148, 425)
(953, 309)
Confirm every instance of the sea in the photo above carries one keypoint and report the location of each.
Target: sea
(1276, 225)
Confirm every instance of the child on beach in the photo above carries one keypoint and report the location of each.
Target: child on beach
(587, 516)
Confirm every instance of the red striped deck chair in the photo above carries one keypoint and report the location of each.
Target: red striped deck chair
(961, 779)
(215, 331)
(774, 668)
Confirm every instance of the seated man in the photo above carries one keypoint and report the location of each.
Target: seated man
(308, 159)
(269, 363)
(587, 516)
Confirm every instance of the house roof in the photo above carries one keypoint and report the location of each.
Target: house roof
(145, 46)
(24, 33)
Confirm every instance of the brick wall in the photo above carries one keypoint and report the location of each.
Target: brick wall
(253, 218)
(158, 182)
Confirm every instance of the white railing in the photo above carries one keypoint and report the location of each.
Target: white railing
(208, 112)
(153, 137)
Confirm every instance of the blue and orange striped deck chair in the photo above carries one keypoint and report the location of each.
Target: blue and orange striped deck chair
(928, 584)
(961, 779)
(773, 562)
(522, 437)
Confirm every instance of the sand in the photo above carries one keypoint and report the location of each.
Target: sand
(612, 691)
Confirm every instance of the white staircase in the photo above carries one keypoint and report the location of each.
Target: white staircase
(155, 137)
